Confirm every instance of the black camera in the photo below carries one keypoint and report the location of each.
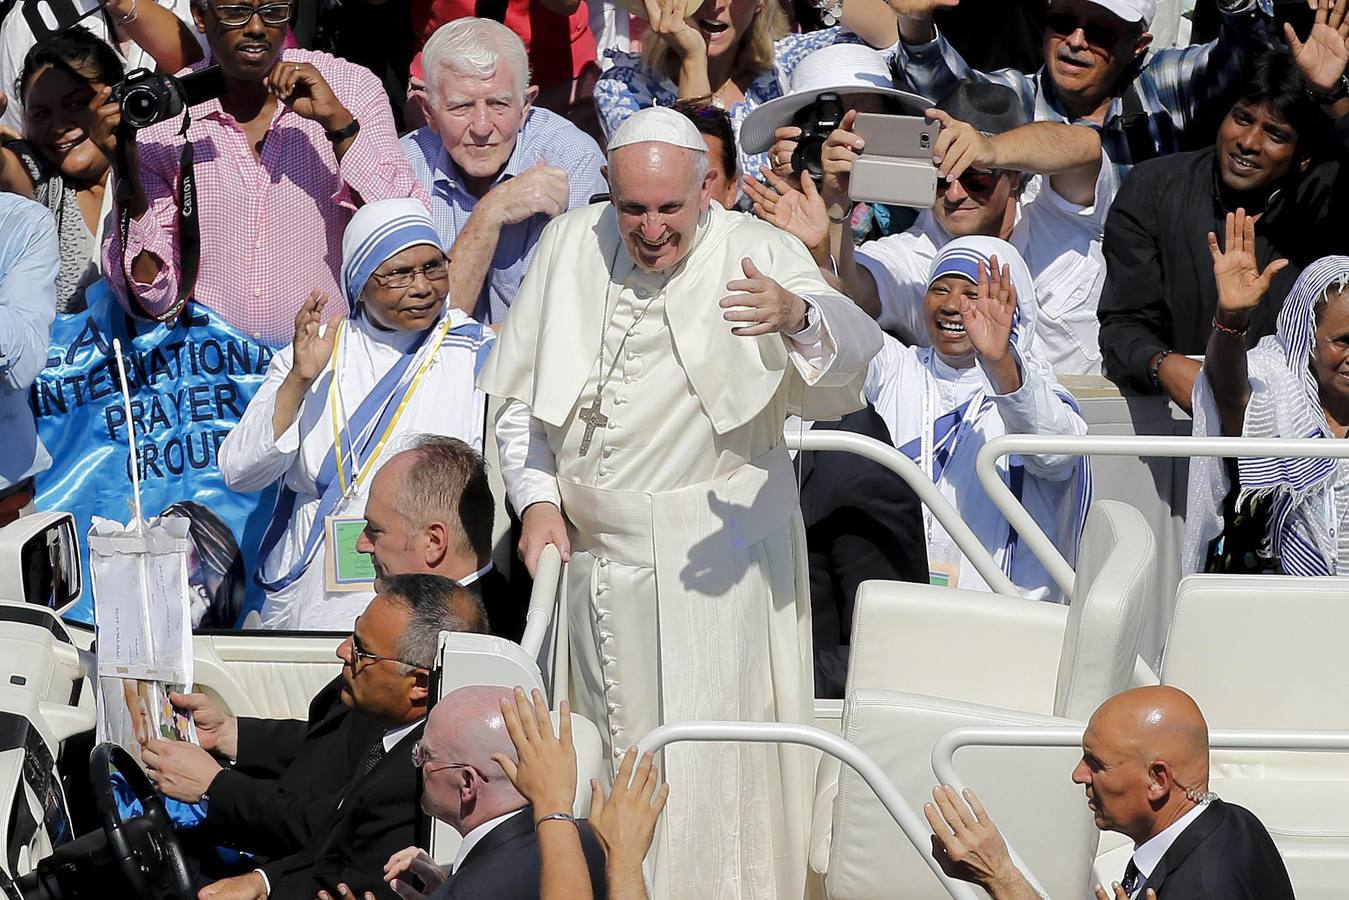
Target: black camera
(816, 121)
(148, 97)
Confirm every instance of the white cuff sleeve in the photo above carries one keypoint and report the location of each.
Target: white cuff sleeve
(527, 465)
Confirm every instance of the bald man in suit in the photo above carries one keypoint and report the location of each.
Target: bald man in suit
(1145, 767)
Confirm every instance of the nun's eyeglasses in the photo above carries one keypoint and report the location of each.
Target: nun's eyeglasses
(401, 278)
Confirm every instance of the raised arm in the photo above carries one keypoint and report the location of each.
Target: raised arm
(1241, 287)
(1069, 154)
(156, 30)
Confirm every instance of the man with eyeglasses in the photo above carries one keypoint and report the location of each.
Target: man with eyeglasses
(325, 801)
(1095, 72)
(297, 140)
(466, 787)
(990, 150)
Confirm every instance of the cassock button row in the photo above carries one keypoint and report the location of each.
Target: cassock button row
(631, 355)
(609, 451)
(604, 470)
(628, 379)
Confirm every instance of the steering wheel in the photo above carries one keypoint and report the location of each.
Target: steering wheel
(144, 848)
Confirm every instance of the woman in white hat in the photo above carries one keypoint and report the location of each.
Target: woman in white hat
(737, 54)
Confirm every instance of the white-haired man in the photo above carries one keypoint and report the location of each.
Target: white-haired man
(642, 434)
(497, 168)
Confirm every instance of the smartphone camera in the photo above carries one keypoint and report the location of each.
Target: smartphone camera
(817, 121)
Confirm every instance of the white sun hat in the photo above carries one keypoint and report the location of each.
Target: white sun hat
(1142, 11)
(841, 68)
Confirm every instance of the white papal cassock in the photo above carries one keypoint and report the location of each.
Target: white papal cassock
(687, 587)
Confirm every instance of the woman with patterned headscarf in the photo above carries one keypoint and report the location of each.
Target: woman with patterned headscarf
(1261, 514)
(338, 400)
(980, 379)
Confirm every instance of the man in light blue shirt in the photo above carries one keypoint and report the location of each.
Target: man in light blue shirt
(29, 260)
(496, 168)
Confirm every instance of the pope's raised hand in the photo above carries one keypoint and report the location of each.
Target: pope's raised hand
(313, 345)
(763, 306)
(988, 317)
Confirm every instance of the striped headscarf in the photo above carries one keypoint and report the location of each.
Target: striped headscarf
(378, 231)
(1294, 480)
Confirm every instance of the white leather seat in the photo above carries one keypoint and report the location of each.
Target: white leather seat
(1267, 652)
(1262, 651)
(928, 659)
(1029, 795)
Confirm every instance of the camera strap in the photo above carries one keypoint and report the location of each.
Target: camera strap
(189, 229)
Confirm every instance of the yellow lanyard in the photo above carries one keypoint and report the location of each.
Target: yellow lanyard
(437, 339)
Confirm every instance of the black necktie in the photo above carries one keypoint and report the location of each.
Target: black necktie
(1132, 878)
(369, 761)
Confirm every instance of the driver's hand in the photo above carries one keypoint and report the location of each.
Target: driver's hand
(240, 887)
(217, 732)
(178, 769)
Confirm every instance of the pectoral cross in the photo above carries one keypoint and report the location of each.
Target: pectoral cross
(593, 418)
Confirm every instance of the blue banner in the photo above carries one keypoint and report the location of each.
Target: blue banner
(189, 382)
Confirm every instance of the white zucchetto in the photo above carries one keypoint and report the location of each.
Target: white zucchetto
(658, 124)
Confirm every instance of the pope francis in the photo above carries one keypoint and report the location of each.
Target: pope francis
(656, 346)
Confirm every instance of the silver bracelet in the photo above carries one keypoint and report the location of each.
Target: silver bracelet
(830, 11)
(561, 817)
(128, 18)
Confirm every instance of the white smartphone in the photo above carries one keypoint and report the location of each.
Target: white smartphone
(896, 166)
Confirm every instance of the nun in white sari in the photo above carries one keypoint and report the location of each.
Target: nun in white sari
(1293, 384)
(342, 398)
(979, 380)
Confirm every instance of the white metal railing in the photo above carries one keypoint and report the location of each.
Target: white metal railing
(1034, 537)
(914, 828)
(931, 497)
(542, 601)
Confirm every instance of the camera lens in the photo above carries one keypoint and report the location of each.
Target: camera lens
(141, 106)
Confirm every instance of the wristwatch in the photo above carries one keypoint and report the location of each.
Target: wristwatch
(337, 135)
(1334, 95)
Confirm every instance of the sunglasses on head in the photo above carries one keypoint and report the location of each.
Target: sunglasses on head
(1098, 34)
(973, 181)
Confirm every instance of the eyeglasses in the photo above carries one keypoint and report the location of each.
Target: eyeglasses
(360, 653)
(1098, 34)
(238, 15)
(401, 278)
(421, 758)
(973, 181)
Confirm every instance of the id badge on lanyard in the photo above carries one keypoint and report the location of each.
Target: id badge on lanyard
(347, 569)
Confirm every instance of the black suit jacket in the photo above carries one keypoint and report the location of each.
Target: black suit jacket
(1225, 854)
(355, 831)
(862, 522)
(505, 609)
(505, 864)
(262, 803)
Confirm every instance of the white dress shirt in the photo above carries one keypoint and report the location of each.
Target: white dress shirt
(473, 837)
(1148, 854)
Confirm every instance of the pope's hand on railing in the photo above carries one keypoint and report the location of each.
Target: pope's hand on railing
(541, 525)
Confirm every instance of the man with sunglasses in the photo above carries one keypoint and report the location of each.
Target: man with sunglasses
(988, 150)
(296, 141)
(325, 801)
(1094, 70)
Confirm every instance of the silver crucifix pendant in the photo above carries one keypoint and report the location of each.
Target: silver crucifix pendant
(593, 418)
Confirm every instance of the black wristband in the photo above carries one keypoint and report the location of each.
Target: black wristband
(338, 135)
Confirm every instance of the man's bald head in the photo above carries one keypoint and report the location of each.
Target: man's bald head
(1143, 751)
(464, 786)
